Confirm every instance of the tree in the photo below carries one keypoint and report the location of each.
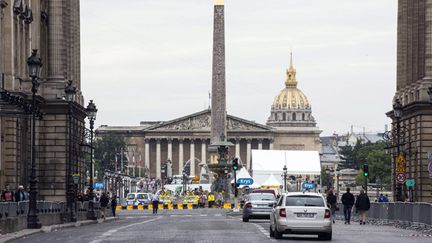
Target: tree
(107, 148)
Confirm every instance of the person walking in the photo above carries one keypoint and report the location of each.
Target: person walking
(155, 202)
(348, 202)
(211, 199)
(220, 199)
(7, 195)
(104, 200)
(113, 204)
(362, 205)
(331, 201)
(20, 194)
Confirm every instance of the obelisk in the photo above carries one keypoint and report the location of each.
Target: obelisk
(218, 102)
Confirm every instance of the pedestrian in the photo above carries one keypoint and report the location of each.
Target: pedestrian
(211, 199)
(20, 194)
(220, 199)
(332, 202)
(104, 200)
(7, 195)
(362, 205)
(113, 204)
(155, 202)
(202, 200)
(348, 202)
(80, 197)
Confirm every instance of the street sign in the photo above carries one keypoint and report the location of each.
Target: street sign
(401, 178)
(410, 182)
(308, 185)
(76, 178)
(98, 185)
(400, 163)
(245, 181)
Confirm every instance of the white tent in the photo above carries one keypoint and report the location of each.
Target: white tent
(243, 173)
(271, 181)
(267, 162)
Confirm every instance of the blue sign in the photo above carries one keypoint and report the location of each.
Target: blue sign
(245, 181)
(308, 185)
(98, 185)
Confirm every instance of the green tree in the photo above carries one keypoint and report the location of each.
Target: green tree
(107, 148)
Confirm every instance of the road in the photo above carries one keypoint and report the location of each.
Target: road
(207, 225)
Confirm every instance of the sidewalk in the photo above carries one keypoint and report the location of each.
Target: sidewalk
(49, 228)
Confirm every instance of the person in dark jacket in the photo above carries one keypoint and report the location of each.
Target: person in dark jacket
(348, 202)
(104, 200)
(362, 205)
(331, 202)
(20, 194)
(113, 204)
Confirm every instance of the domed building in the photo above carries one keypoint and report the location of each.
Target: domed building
(291, 116)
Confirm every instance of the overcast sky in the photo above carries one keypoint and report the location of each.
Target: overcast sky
(152, 59)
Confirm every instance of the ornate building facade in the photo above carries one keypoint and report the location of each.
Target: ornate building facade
(412, 127)
(185, 140)
(53, 28)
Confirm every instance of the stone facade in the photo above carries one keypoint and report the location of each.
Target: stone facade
(52, 27)
(414, 81)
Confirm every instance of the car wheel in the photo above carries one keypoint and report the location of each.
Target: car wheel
(325, 236)
(277, 234)
(272, 233)
(245, 219)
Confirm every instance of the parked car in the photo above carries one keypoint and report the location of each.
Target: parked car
(301, 213)
(275, 192)
(258, 206)
(138, 198)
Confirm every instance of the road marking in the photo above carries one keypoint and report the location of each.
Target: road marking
(263, 231)
(111, 232)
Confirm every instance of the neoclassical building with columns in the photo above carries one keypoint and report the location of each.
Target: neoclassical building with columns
(290, 126)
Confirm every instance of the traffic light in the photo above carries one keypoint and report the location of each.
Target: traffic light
(164, 170)
(365, 170)
(235, 164)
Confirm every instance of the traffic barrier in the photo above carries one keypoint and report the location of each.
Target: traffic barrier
(171, 206)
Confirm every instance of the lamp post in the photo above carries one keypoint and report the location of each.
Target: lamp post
(285, 173)
(397, 111)
(70, 92)
(34, 65)
(91, 113)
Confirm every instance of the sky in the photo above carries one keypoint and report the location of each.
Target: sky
(151, 60)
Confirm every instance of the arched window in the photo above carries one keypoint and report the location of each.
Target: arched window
(303, 116)
(283, 117)
(294, 116)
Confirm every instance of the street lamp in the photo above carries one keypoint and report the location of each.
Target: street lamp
(34, 65)
(91, 114)
(70, 92)
(397, 111)
(285, 173)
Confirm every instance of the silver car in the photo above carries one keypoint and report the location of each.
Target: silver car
(258, 206)
(301, 213)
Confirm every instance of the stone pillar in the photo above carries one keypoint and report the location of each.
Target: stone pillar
(158, 158)
(192, 157)
(147, 154)
(428, 40)
(237, 148)
(248, 154)
(3, 4)
(169, 149)
(271, 144)
(218, 107)
(260, 144)
(203, 151)
(180, 172)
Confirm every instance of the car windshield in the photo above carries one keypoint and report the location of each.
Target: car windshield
(142, 196)
(305, 200)
(131, 196)
(261, 197)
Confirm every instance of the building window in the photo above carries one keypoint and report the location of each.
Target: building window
(283, 117)
(303, 116)
(294, 116)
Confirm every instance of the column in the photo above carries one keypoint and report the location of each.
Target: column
(170, 149)
(260, 144)
(192, 157)
(271, 144)
(428, 40)
(158, 158)
(248, 154)
(237, 148)
(180, 170)
(203, 151)
(147, 155)
(56, 41)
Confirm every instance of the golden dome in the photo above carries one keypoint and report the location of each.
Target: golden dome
(291, 97)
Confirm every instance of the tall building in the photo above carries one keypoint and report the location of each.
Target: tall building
(53, 28)
(411, 130)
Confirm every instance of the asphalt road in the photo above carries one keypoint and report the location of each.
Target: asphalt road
(208, 225)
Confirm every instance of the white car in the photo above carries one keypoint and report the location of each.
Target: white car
(301, 213)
